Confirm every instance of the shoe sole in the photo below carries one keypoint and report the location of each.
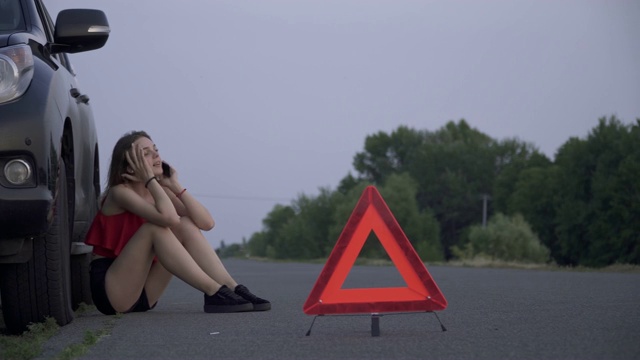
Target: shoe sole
(261, 307)
(228, 308)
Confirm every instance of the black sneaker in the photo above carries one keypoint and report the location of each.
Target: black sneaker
(259, 304)
(225, 301)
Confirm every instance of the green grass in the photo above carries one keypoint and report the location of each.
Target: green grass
(477, 262)
(29, 344)
(90, 338)
(483, 262)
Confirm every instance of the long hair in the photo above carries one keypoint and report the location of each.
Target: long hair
(119, 163)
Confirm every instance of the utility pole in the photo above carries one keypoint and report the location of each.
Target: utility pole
(485, 200)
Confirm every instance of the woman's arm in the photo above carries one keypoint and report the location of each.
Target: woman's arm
(185, 204)
(163, 213)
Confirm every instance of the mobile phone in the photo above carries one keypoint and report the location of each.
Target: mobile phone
(166, 169)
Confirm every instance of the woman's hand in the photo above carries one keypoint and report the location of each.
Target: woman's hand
(171, 181)
(139, 169)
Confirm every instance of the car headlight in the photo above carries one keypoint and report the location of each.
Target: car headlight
(16, 71)
(17, 171)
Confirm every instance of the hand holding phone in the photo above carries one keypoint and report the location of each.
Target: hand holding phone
(166, 169)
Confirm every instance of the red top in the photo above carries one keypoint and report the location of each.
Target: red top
(109, 234)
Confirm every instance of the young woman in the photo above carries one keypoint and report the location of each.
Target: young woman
(149, 228)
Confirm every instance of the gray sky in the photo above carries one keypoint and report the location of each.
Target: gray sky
(255, 102)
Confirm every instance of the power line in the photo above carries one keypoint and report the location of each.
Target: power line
(239, 197)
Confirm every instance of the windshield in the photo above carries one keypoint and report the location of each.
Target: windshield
(11, 18)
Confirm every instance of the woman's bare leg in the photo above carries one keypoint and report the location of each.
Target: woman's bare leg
(204, 255)
(157, 282)
(132, 270)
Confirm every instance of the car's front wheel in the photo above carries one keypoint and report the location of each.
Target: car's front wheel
(41, 287)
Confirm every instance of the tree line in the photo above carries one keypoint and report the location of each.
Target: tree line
(457, 193)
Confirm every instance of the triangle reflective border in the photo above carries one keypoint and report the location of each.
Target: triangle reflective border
(372, 214)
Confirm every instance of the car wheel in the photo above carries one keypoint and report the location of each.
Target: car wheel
(41, 288)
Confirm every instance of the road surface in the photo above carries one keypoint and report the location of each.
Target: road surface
(492, 314)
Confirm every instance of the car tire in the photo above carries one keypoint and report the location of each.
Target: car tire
(41, 287)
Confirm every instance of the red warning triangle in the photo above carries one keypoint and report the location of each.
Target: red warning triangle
(372, 214)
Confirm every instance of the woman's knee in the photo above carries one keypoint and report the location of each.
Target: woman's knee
(154, 230)
(187, 229)
(186, 224)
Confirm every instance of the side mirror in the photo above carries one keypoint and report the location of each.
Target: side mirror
(80, 30)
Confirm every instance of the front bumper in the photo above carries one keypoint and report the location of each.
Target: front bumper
(24, 212)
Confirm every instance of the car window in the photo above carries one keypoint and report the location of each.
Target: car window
(11, 17)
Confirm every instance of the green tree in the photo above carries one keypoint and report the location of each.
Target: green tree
(348, 183)
(615, 148)
(386, 154)
(533, 197)
(306, 235)
(575, 168)
(263, 243)
(512, 158)
(230, 251)
(583, 205)
(592, 207)
(454, 167)
(420, 226)
(625, 209)
(505, 238)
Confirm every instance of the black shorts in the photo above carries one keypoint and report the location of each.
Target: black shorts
(98, 273)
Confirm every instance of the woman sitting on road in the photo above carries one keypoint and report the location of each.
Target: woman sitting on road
(148, 229)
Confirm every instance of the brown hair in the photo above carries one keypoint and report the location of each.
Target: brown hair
(119, 163)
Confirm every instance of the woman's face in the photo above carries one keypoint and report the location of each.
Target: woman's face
(151, 154)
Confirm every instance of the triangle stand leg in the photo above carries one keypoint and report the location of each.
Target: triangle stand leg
(375, 324)
(312, 322)
(441, 325)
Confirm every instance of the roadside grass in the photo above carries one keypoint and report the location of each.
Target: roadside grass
(28, 345)
(90, 338)
(477, 262)
(484, 262)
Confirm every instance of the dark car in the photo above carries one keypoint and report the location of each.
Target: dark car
(49, 169)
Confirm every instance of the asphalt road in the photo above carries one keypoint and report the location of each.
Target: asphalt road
(492, 314)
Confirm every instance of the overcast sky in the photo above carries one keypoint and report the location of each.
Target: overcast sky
(257, 101)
